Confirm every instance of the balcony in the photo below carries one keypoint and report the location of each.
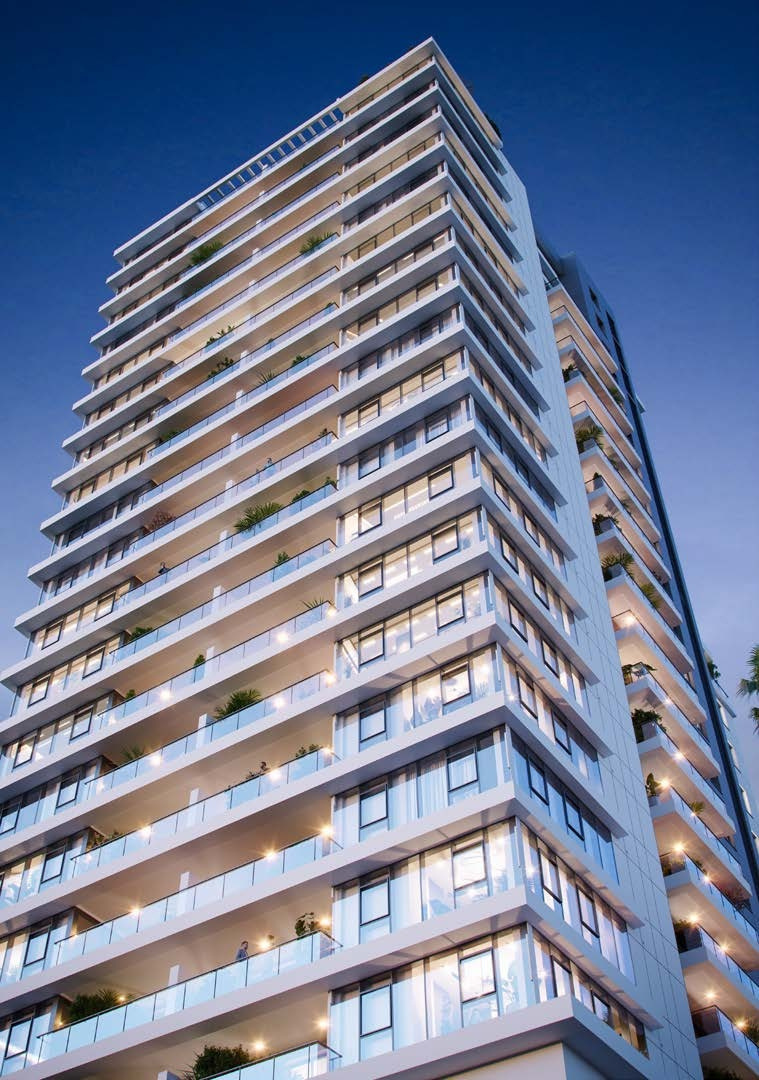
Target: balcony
(627, 599)
(695, 899)
(662, 757)
(678, 828)
(584, 417)
(712, 974)
(723, 1045)
(644, 691)
(639, 649)
(598, 467)
(610, 510)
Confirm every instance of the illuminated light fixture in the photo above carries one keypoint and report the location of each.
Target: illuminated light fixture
(668, 701)
(710, 995)
(121, 999)
(322, 1023)
(155, 760)
(327, 751)
(145, 831)
(165, 695)
(329, 678)
(693, 920)
(706, 879)
(282, 635)
(275, 775)
(511, 697)
(100, 785)
(264, 944)
(325, 921)
(679, 848)
(270, 855)
(259, 1046)
(326, 830)
(664, 783)
(331, 612)
(135, 912)
(630, 620)
(679, 755)
(740, 1024)
(279, 702)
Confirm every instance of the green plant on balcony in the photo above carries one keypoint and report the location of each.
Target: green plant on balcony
(96, 840)
(199, 660)
(158, 521)
(303, 751)
(306, 924)
(314, 603)
(600, 519)
(715, 1072)
(220, 334)
(697, 863)
(628, 671)
(626, 504)
(568, 372)
(138, 632)
(99, 1001)
(653, 786)
(614, 461)
(618, 558)
(714, 672)
(697, 806)
(237, 700)
(168, 436)
(300, 495)
(649, 592)
(313, 242)
(751, 1031)
(282, 558)
(132, 753)
(616, 393)
(213, 1060)
(265, 377)
(330, 480)
(641, 717)
(299, 359)
(254, 515)
(204, 252)
(589, 433)
(679, 925)
(737, 898)
(130, 695)
(219, 366)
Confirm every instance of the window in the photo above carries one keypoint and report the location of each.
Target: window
(469, 871)
(371, 720)
(373, 808)
(527, 694)
(517, 620)
(369, 411)
(68, 789)
(588, 918)
(540, 590)
(374, 909)
(445, 541)
(53, 865)
(370, 578)
(369, 462)
(455, 684)
(104, 606)
(36, 947)
(550, 657)
(562, 977)
(81, 722)
(440, 481)
(477, 981)
(462, 770)
(369, 516)
(537, 781)
(573, 817)
(18, 1039)
(509, 554)
(561, 733)
(549, 877)
(449, 609)
(9, 816)
(93, 662)
(376, 1011)
(436, 425)
(531, 529)
(24, 751)
(51, 634)
(39, 688)
(371, 645)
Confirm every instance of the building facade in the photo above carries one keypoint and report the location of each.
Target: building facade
(321, 747)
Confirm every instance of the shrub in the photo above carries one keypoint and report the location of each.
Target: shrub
(314, 603)
(85, 1005)
(168, 436)
(237, 700)
(158, 520)
(282, 558)
(645, 716)
(138, 632)
(254, 515)
(199, 660)
(219, 366)
(132, 753)
(306, 924)
(653, 787)
(302, 751)
(213, 1060)
(619, 558)
(650, 593)
(205, 251)
(568, 372)
(300, 495)
(589, 433)
(313, 242)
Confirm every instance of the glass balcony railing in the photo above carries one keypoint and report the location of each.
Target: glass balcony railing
(655, 731)
(717, 844)
(193, 816)
(283, 376)
(184, 995)
(221, 887)
(238, 444)
(695, 937)
(674, 862)
(301, 1064)
(640, 671)
(713, 1021)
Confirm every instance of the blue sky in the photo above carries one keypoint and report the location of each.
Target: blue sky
(634, 128)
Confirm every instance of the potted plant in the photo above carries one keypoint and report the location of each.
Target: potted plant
(254, 515)
(84, 1005)
(204, 252)
(212, 1060)
(589, 433)
(653, 786)
(306, 924)
(237, 700)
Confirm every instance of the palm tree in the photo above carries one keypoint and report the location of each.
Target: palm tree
(750, 687)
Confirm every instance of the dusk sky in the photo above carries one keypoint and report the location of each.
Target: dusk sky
(634, 129)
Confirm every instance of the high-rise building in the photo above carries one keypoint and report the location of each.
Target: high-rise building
(321, 755)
